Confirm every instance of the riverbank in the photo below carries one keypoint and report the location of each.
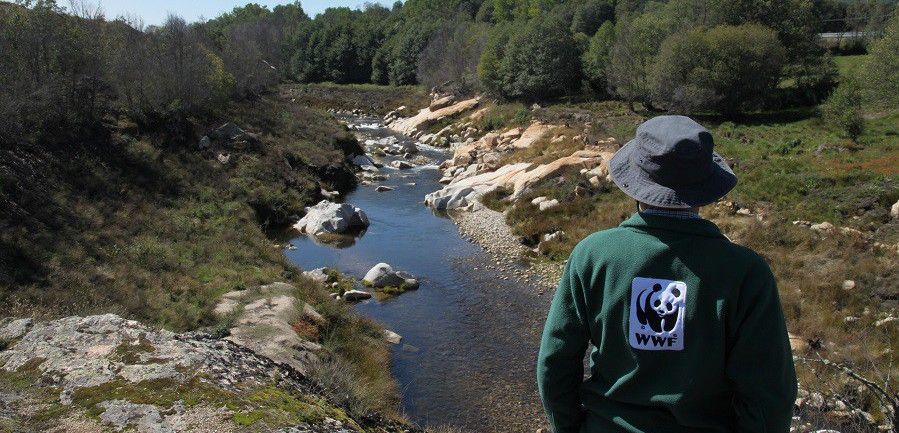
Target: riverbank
(488, 228)
(468, 335)
(156, 224)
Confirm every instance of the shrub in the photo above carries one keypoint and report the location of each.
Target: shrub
(596, 58)
(843, 110)
(882, 78)
(452, 55)
(728, 69)
(538, 62)
(636, 44)
(592, 14)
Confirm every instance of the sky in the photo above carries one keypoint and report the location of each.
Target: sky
(155, 11)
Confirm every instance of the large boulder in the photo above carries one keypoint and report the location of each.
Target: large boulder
(426, 116)
(265, 327)
(402, 165)
(467, 185)
(382, 275)
(530, 135)
(331, 218)
(468, 190)
(582, 159)
(441, 102)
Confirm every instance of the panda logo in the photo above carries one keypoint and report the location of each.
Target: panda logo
(658, 311)
(659, 308)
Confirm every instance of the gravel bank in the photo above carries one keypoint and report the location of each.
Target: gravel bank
(488, 228)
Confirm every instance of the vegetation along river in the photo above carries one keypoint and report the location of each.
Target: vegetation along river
(470, 336)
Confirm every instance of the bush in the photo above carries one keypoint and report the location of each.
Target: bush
(728, 69)
(636, 43)
(596, 58)
(452, 55)
(538, 62)
(843, 109)
(592, 14)
(882, 79)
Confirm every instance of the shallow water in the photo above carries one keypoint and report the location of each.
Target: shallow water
(470, 337)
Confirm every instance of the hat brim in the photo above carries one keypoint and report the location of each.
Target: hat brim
(638, 186)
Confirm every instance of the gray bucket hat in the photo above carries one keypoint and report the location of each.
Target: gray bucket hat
(671, 163)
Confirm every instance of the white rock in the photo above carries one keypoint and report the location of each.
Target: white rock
(382, 275)
(392, 337)
(548, 204)
(401, 165)
(553, 236)
(848, 285)
(329, 194)
(894, 210)
(822, 227)
(355, 295)
(318, 275)
(14, 329)
(328, 217)
(538, 200)
(885, 321)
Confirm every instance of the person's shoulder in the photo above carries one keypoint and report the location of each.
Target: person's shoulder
(599, 241)
(746, 255)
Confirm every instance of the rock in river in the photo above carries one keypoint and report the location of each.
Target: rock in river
(327, 217)
(355, 295)
(382, 275)
(401, 165)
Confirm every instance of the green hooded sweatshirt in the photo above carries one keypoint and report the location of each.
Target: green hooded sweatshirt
(687, 330)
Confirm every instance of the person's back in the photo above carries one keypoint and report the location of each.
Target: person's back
(687, 328)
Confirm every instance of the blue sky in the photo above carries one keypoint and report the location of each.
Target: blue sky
(155, 11)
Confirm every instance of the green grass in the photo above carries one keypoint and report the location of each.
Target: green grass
(370, 98)
(267, 405)
(846, 64)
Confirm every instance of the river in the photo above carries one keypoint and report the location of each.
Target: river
(470, 337)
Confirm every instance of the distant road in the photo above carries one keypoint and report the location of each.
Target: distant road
(841, 35)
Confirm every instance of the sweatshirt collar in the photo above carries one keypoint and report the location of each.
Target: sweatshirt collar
(649, 222)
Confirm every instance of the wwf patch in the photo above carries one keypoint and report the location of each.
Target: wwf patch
(658, 312)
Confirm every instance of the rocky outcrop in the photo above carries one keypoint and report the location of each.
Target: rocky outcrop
(266, 319)
(382, 276)
(529, 136)
(468, 190)
(103, 363)
(417, 123)
(331, 218)
(266, 327)
(465, 186)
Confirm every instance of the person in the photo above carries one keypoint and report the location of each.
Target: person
(687, 329)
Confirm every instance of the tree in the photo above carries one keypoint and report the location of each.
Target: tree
(590, 15)
(452, 54)
(637, 41)
(489, 65)
(538, 62)
(596, 58)
(843, 109)
(728, 69)
(882, 67)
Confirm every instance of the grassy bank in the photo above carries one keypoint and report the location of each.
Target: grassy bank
(369, 98)
(144, 221)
